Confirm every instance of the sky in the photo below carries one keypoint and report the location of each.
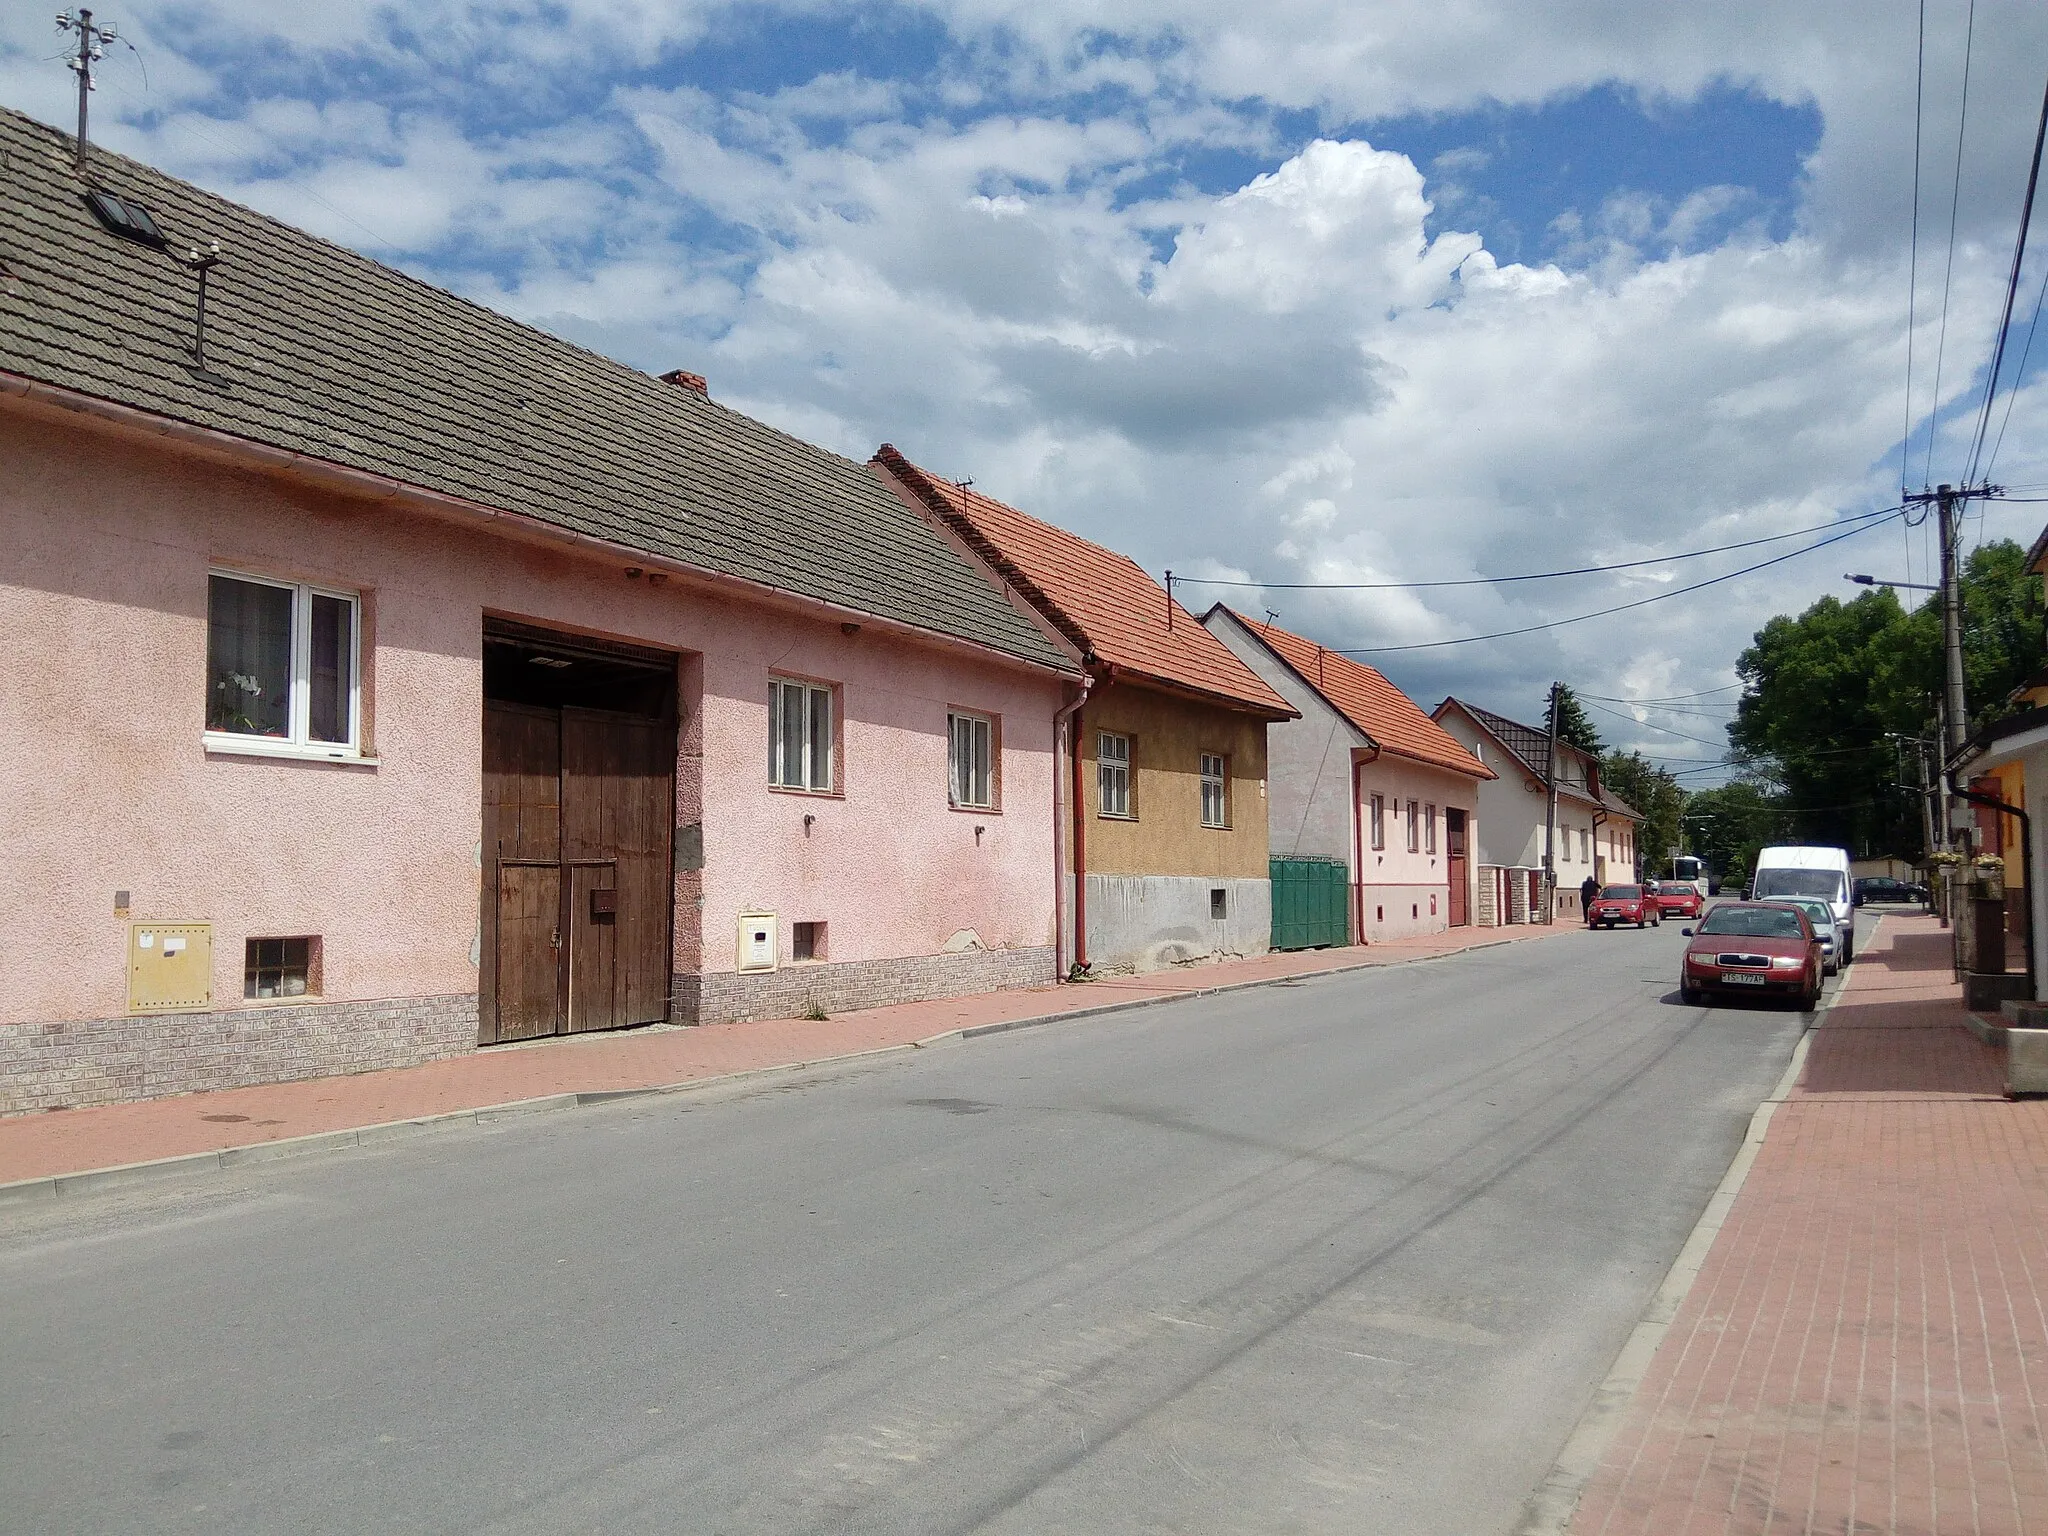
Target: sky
(1374, 292)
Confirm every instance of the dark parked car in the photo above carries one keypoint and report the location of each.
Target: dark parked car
(1753, 947)
(1622, 904)
(1885, 889)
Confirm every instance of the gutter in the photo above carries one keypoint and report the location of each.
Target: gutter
(382, 488)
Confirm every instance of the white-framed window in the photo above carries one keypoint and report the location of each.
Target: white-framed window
(1215, 790)
(1429, 829)
(1585, 846)
(971, 753)
(1113, 774)
(1379, 821)
(283, 666)
(800, 735)
(1414, 827)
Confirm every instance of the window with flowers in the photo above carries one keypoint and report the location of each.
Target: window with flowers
(281, 666)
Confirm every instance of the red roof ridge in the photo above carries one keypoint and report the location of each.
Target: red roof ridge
(1368, 698)
(1095, 596)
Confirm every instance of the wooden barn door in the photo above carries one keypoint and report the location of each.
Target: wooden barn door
(618, 809)
(577, 911)
(1455, 867)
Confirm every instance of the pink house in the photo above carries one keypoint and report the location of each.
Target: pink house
(1366, 779)
(387, 678)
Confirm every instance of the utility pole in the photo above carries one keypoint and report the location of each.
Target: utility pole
(91, 39)
(1550, 810)
(1953, 707)
(1951, 628)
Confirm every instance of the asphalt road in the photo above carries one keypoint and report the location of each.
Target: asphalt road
(1347, 1254)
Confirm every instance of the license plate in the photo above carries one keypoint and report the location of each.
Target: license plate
(1742, 978)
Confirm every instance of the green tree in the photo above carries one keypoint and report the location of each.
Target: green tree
(1572, 723)
(1835, 695)
(1654, 792)
(1726, 826)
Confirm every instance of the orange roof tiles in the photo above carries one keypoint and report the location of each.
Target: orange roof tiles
(1365, 698)
(1100, 600)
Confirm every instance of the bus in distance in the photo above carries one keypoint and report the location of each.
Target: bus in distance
(1689, 869)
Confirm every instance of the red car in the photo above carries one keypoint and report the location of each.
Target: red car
(1753, 947)
(1622, 904)
(1679, 901)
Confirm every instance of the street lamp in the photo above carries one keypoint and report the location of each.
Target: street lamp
(1872, 581)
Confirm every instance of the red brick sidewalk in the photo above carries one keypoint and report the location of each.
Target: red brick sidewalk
(1865, 1348)
(114, 1135)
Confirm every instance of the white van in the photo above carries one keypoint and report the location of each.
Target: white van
(1822, 872)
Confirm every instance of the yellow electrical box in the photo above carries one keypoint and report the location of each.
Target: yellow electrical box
(170, 967)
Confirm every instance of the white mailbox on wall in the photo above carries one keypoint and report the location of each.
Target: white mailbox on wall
(757, 941)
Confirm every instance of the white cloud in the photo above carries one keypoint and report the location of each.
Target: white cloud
(1296, 379)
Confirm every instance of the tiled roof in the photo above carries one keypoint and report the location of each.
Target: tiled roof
(1393, 721)
(1533, 748)
(318, 351)
(1100, 600)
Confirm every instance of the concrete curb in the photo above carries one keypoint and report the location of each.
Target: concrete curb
(1551, 1507)
(100, 1180)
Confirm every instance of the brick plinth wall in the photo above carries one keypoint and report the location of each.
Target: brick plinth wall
(150, 1056)
(838, 987)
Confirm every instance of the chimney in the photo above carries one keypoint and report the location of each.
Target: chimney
(683, 379)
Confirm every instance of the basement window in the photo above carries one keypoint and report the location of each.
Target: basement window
(281, 967)
(807, 941)
(1219, 902)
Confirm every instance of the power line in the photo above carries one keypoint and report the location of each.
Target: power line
(1948, 274)
(1494, 581)
(1652, 725)
(2012, 288)
(1669, 698)
(1913, 264)
(1705, 713)
(1530, 629)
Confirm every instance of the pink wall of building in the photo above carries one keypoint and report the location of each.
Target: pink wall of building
(108, 538)
(1402, 894)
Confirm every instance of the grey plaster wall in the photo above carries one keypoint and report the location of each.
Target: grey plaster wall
(1144, 922)
(1308, 761)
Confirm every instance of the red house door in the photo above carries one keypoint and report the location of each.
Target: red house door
(1454, 861)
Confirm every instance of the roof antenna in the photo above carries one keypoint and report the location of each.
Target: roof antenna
(201, 262)
(90, 52)
(1272, 618)
(1169, 600)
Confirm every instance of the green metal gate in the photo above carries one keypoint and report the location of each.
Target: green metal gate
(1311, 909)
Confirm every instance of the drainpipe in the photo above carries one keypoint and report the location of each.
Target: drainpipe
(1068, 717)
(1358, 836)
(2026, 859)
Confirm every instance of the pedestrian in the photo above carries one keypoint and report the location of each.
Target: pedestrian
(1589, 892)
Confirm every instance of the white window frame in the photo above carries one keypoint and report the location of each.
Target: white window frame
(297, 742)
(1216, 788)
(1379, 823)
(1429, 828)
(1414, 826)
(1113, 770)
(964, 801)
(778, 772)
